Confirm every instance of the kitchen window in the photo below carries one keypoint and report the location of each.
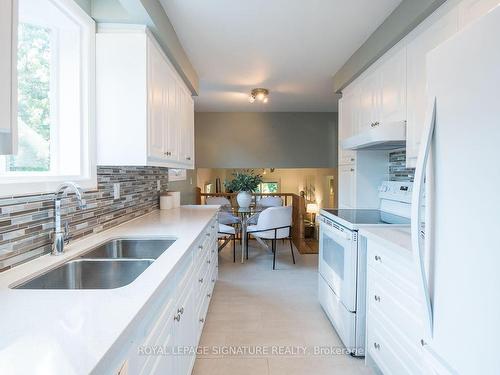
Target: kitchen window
(55, 109)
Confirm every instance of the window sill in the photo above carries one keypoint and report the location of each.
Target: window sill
(43, 185)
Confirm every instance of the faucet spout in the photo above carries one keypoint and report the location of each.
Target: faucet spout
(76, 189)
(61, 235)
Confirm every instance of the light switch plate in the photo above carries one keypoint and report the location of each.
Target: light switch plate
(116, 190)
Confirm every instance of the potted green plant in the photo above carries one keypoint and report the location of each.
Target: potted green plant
(244, 184)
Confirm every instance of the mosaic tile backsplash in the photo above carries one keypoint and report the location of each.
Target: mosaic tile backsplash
(397, 167)
(27, 222)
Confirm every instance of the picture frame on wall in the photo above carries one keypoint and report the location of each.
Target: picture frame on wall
(175, 174)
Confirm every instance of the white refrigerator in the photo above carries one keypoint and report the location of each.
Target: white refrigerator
(458, 258)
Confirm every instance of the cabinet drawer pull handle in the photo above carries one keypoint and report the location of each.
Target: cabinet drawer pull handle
(376, 346)
(213, 280)
(181, 310)
(200, 247)
(352, 169)
(377, 258)
(207, 234)
(208, 261)
(377, 298)
(177, 317)
(213, 227)
(200, 280)
(202, 320)
(209, 295)
(188, 157)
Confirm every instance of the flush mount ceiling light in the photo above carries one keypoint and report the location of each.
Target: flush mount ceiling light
(259, 94)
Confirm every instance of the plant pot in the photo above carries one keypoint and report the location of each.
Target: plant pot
(244, 199)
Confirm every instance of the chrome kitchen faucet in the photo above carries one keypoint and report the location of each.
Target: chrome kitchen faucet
(61, 236)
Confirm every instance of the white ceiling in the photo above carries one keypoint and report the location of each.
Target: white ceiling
(291, 47)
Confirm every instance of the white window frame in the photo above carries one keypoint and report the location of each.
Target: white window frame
(22, 183)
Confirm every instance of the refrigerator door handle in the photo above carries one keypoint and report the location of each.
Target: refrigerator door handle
(416, 211)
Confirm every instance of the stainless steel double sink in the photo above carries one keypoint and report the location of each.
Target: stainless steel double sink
(113, 264)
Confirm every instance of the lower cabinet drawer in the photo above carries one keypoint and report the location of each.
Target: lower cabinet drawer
(386, 350)
(399, 308)
(396, 266)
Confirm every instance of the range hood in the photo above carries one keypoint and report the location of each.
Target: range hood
(386, 136)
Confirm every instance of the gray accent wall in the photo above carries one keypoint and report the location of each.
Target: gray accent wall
(266, 140)
(400, 22)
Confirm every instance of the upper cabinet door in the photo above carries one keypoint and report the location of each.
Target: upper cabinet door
(392, 97)
(187, 131)
(417, 48)
(369, 101)
(156, 110)
(347, 186)
(172, 131)
(348, 111)
(190, 129)
(8, 76)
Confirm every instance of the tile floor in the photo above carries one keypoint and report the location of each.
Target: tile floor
(267, 314)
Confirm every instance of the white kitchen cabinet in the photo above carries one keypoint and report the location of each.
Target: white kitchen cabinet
(429, 35)
(347, 186)
(347, 124)
(177, 322)
(368, 105)
(187, 131)
(157, 101)
(172, 119)
(142, 103)
(392, 97)
(382, 92)
(359, 181)
(8, 76)
(394, 324)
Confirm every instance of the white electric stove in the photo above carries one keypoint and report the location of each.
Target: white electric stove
(342, 261)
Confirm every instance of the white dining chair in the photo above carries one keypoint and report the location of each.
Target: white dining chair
(221, 201)
(229, 225)
(266, 202)
(224, 217)
(263, 203)
(274, 223)
(227, 233)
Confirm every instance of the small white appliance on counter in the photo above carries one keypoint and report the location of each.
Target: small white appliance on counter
(342, 261)
(458, 261)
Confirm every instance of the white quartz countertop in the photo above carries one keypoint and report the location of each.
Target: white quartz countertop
(395, 238)
(70, 331)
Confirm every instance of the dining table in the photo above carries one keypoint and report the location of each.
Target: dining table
(246, 214)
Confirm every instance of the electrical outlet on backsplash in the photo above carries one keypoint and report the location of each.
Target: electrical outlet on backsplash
(27, 222)
(397, 167)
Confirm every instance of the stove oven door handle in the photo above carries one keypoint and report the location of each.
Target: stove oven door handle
(332, 228)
